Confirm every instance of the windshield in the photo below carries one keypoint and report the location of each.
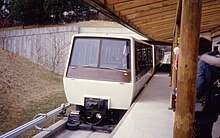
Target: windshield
(85, 52)
(101, 53)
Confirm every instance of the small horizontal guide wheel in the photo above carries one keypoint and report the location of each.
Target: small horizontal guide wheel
(72, 126)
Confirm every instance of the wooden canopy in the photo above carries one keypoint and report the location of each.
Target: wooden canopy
(166, 20)
(155, 19)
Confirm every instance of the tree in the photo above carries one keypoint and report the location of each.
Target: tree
(34, 12)
(28, 12)
(54, 9)
(56, 51)
(5, 14)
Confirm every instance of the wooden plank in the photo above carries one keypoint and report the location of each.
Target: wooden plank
(210, 3)
(147, 7)
(119, 2)
(159, 34)
(162, 26)
(187, 68)
(161, 37)
(216, 34)
(216, 29)
(134, 3)
(211, 11)
(213, 18)
(160, 31)
(161, 15)
(151, 11)
(141, 9)
(164, 37)
(206, 28)
(156, 22)
(207, 1)
(112, 2)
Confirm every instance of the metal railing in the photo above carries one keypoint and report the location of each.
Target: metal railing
(35, 122)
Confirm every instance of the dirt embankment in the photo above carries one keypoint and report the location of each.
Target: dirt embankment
(25, 90)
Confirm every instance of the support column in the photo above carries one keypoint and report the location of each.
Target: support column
(175, 44)
(173, 80)
(187, 69)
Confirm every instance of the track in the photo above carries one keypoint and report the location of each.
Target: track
(82, 134)
(59, 131)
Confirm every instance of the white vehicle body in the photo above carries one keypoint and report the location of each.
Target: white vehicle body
(119, 86)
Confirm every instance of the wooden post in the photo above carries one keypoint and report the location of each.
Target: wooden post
(175, 44)
(173, 70)
(173, 80)
(187, 69)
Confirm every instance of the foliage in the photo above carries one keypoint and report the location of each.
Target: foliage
(5, 18)
(39, 12)
(27, 12)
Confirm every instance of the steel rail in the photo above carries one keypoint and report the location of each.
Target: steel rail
(35, 122)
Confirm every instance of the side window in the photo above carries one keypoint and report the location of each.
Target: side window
(144, 60)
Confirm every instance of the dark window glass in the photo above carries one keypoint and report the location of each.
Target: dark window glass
(215, 48)
(85, 52)
(115, 54)
(144, 59)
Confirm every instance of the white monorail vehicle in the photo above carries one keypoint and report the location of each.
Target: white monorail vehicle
(104, 74)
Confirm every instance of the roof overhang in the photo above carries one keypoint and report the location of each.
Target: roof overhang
(155, 19)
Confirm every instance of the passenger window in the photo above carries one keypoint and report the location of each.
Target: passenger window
(144, 60)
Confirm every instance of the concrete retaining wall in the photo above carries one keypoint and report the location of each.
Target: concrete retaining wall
(49, 46)
(40, 45)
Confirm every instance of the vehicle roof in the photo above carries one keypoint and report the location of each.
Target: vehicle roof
(104, 35)
(111, 36)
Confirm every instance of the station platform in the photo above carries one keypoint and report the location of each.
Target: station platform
(149, 116)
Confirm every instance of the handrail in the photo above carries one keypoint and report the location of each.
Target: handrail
(35, 121)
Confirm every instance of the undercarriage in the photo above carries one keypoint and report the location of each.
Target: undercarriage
(95, 115)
